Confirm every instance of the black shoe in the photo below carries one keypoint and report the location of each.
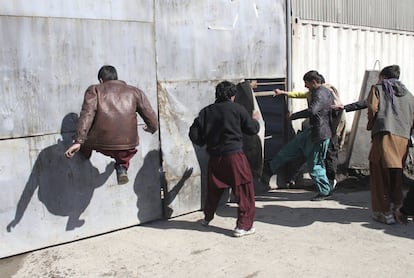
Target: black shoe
(321, 197)
(204, 222)
(121, 174)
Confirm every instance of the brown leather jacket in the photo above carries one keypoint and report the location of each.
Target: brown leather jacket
(108, 119)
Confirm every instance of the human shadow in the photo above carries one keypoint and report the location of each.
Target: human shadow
(356, 210)
(172, 194)
(188, 225)
(150, 183)
(293, 216)
(202, 158)
(147, 188)
(307, 192)
(399, 230)
(65, 186)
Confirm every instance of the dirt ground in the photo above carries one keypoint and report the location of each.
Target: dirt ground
(294, 238)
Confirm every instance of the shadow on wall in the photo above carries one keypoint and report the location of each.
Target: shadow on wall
(65, 186)
(203, 158)
(148, 189)
(148, 184)
(172, 194)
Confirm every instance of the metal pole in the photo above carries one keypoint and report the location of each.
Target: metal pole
(289, 44)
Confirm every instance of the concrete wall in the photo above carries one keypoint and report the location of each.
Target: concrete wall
(175, 51)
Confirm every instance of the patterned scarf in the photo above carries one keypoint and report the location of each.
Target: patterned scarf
(389, 85)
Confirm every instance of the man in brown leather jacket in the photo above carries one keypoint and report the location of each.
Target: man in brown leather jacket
(108, 121)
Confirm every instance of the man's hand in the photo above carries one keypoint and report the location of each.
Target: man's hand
(256, 115)
(70, 152)
(337, 107)
(145, 128)
(253, 84)
(279, 92)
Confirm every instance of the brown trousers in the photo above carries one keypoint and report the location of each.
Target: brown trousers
(386, 187)
(122, 157)
(245, 198)
(231, 171)
(386, 160)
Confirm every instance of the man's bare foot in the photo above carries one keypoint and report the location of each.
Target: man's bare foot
(400, 217)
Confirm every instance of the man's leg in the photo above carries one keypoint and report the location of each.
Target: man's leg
(316, 163)
(408, 203)
(212, 200)
(290, 151)
(395, 184)
(122, 158)
(377, 175)
(331, 161)
(379, 180)
(246, 211)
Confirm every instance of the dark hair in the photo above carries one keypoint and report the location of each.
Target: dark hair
(107, 72)
(225, 90)
(390, 72)
(322, 79)
(313, 75)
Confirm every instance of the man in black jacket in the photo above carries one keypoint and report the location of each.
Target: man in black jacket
(313, 142)
(220, 126)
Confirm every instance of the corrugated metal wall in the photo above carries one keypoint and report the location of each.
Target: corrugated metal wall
(176, 51)
(343, 53)
(200, 43)
(386, 14)
(51, 52)
(344, 38)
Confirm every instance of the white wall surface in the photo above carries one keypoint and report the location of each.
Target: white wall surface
(125, 10)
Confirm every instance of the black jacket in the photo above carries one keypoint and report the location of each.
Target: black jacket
(320, 114)
(220, 126)
(358, 105)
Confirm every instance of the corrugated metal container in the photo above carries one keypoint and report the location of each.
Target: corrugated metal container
(395, 15)
(342, 53)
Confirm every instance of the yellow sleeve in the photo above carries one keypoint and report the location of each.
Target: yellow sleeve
(297, 94)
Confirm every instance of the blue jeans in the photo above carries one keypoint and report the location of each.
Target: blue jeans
(315, 154)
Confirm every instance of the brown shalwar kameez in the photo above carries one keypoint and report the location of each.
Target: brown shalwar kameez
(386, 160)
(387, 155)
(231, 171)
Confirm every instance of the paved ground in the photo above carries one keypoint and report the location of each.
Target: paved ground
(295, 238)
